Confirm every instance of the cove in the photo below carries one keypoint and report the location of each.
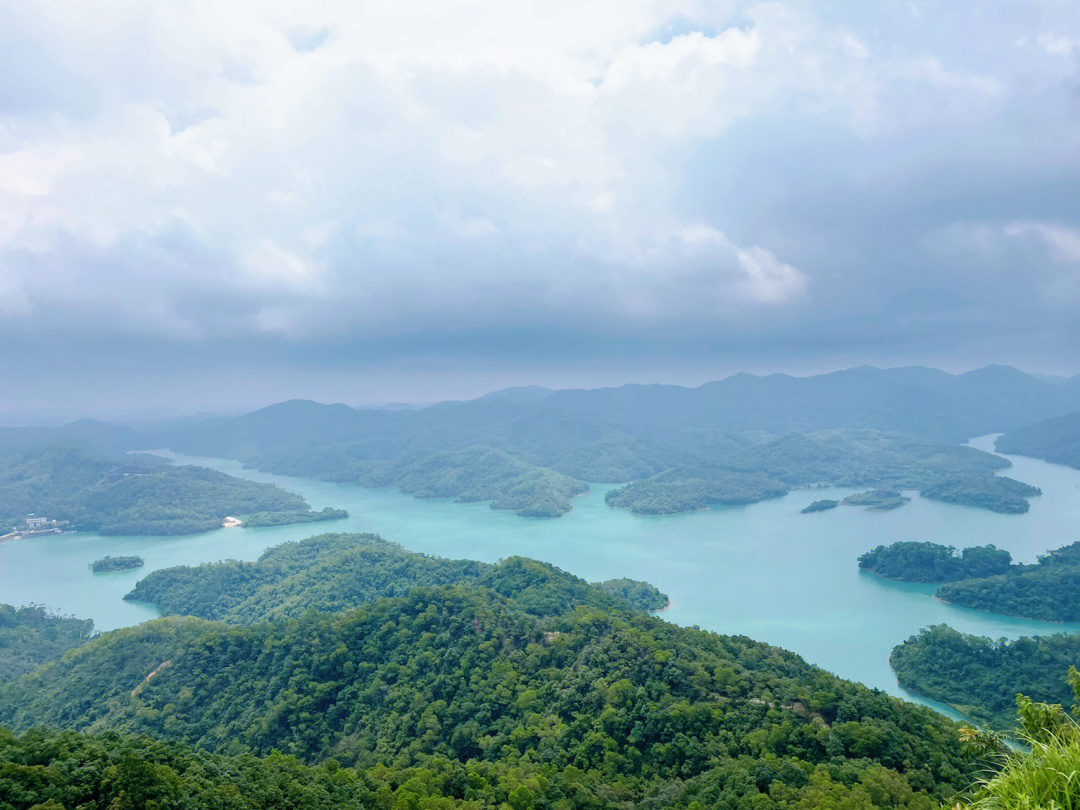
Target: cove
(762, 570)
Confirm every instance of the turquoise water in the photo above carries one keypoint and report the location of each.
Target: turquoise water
(762, 570)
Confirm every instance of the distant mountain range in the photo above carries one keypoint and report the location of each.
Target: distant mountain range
(530, 448)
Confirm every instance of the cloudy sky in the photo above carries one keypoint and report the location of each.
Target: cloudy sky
(204, 205)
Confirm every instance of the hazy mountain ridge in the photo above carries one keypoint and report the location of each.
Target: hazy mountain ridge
(531, 450)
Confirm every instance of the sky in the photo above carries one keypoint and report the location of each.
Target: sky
(209, 206)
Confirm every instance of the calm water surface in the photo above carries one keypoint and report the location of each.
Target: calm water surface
(762, 570)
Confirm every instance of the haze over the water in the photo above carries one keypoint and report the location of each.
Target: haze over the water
(209, 207)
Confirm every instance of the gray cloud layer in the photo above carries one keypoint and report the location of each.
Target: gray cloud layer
(405, 199)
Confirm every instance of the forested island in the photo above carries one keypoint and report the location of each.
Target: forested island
(526, 687)
(31, 635)
(981, 677)
(911, 561)
(820, 506)
(985, 578)
(881, 500)
(107, 564)
(141, 495)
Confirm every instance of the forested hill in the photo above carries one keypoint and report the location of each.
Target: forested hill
(1048, 590)
(136, 494)
(514, 682)
(336, 572)
(1056, 440)
(31, 635)
(981, 677)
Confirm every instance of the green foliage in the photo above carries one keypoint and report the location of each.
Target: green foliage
(640, 595)
(1048, 590)
(911, 561)
(530, 688)
(820, 506)
(51, 770)
(137, 495)
(116, 564)
(1045, 771)
(30, 636)
(981, 677)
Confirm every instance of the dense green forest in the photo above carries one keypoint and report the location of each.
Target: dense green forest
(530, 688)
(1056, 440)
(731, 442)
(1048, 590)
(911, 561)
(981, 677)
(820, 506)
(107, 564)
(331, 573)
(137, 495)
(31, 635)
(640, 595)
(57, 770)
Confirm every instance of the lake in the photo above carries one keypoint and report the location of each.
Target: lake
(762, 570)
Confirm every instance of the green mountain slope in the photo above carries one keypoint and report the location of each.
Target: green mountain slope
(533, 672)
(337, 572)
(981, 677)
(30, 636)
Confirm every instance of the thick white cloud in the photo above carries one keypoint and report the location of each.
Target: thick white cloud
(199, 170)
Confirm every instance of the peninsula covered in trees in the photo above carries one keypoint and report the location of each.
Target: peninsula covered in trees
(141, 494)
(1046, 590)
(980, 677)
(528, 687)
(984, 577)
(1056, 440)
(331, 573)
(911, 561)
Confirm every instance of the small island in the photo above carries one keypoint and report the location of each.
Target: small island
(108, 564)
(880, 500)
(820, 506)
